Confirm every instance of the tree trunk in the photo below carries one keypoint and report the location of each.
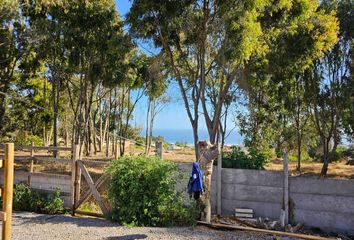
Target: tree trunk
(55, 91)
(2, 110)
(298, 167)
(207, 154)
(147, 127)
(325, 157)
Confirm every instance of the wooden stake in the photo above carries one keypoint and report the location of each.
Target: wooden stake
(116, 152)
(31, 168)
(75, 156)
(8, 191)
(286, 189)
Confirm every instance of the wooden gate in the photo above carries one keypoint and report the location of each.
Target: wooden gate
(78, 196)
(7, 191)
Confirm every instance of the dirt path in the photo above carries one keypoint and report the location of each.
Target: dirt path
(43, 227)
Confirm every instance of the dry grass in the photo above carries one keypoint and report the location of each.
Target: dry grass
(337, 169)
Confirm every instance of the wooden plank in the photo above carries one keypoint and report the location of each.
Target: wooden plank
(77, 183)
(43, 159)
(51, 176)
(93, 162)
(244, 215)
(279, 233)
(93, 189)
(75, 156)
(90, 213)
(48, 148)
(8, 190)
(98, 184)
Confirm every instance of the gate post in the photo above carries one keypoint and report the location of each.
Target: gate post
(75, 184)
(8, 190)
(31, 167)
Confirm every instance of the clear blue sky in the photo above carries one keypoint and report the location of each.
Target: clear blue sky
(174, 116)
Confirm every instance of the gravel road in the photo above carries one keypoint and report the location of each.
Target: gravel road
(52, 227)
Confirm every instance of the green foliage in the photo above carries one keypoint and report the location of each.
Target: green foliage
(26, 139)
(22, 196)
(238, 158)
(55, 204)
(25, 199)
(181, 144)
(142, 192)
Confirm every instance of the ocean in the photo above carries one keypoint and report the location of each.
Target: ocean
(186, 136)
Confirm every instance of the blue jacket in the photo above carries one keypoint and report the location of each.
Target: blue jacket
(195, 184)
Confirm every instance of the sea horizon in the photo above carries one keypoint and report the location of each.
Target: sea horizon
(185, 136)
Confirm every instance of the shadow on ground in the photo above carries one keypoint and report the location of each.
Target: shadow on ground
(128, 237)
(25, 218)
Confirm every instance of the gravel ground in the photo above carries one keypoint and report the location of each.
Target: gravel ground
(44, 227)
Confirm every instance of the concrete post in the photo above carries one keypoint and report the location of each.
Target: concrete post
(218, 201)
(286, 189)
(159, 149)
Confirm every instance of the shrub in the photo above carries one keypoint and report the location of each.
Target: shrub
(142, 192)
(238, 158)
(24, 138)
(55, 204)
(22, 197)
(25, 199)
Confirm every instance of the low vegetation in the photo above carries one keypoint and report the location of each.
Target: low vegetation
(27, 199)
(238, 158)
(142, 193)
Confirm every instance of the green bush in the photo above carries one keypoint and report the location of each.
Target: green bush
(26, 139)
(22, 196)
(142, 193)
(25, 199)
(238, 158)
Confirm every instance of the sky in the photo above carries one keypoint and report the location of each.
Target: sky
(174, 115)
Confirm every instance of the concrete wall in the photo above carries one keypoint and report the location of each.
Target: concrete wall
(327, 204)
(45, 182)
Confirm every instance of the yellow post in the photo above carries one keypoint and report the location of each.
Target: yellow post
(8, 190)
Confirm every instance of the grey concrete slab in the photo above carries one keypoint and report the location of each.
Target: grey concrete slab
(261, 209)
(252, 177)
(326, 221)
(252, 193)
(316, 202)
(337, 187)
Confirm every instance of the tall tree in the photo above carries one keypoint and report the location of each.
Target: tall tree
(331, 85)
(215, 40)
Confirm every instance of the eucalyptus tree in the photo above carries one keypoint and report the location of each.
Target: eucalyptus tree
(330, 84)
(157, 100)
(16, 42)
(199, 39)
